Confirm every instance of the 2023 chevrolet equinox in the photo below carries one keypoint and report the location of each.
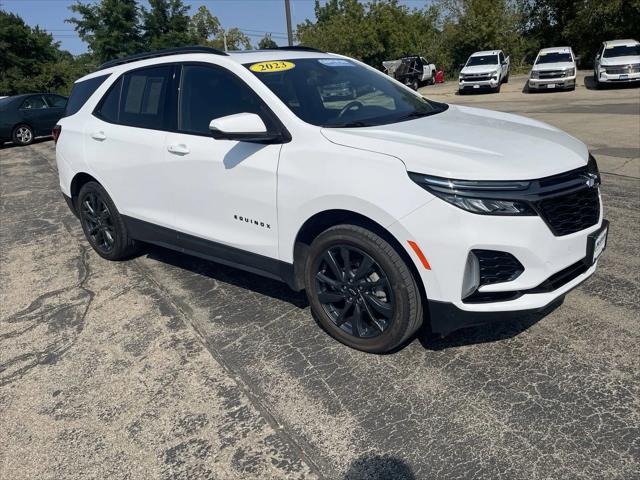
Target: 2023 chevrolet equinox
(387, 208)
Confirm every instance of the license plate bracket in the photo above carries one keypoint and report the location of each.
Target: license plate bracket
(624, 76)
(597, 243)
(551, 85)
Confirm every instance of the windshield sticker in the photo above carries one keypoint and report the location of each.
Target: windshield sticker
(275, 66)
(335, 62)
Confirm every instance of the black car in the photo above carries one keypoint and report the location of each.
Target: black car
(24, 117)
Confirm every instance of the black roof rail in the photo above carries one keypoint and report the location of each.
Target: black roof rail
(160, 53)
(301, 48)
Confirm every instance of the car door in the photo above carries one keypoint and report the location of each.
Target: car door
(426, 71)
(56, 104)
(224, 191)
(503, 66)
(36, 113)
(124, 143)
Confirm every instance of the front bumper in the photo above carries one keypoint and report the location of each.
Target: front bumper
(604, 77)
(446, 235)
(477, 84)
(558, 83)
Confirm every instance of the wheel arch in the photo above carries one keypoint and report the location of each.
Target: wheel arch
(323, 220)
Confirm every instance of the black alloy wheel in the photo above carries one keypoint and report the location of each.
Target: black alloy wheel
(354, 291)
(361, 290)
(97, 220)
(102, 224)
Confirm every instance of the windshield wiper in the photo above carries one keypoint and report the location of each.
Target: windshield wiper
(417, 114)
(356, 123)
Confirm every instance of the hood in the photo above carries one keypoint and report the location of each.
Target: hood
(629, 60)
(480, 69)
(471, 144)
(553, 66)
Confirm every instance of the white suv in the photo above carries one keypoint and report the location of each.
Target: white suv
(617, 61)
(386, 207)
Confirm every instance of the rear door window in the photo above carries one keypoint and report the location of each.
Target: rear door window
(109, 107)
(143, 101)
(81, 92)
(34, 103)
(56, 101)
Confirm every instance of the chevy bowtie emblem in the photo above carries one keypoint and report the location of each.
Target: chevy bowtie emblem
(591, 180)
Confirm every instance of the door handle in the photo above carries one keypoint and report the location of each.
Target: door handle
(100, 136)
(179, 149)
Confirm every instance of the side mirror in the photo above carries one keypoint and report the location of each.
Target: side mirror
(598, 56)
(244, 127)
(461, 65)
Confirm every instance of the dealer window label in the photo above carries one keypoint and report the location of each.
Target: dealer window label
(267, 67)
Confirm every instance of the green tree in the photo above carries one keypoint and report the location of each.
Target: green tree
(110, 28)
(166, 24)
(30, 60)
(372, 32)
(267, 42)
(206, 30)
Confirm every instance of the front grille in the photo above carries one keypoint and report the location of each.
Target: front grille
(571, 213)
(623, 69)
(497, 267)
(553, 74)
(477, 77)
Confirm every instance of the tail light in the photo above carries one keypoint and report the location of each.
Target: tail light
(57, 130)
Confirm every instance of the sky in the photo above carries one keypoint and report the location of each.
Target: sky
(254, 17)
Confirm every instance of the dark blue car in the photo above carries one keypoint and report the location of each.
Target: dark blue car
(25, 117)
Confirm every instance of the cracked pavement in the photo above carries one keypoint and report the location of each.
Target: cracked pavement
(167, 366)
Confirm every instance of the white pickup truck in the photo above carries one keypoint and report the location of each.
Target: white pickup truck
(413, 71)
(554, 68)
(487, 69)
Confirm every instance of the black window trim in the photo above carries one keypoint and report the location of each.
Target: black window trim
(172, 102)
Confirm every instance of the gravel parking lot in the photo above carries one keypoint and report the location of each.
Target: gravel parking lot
(167, 366)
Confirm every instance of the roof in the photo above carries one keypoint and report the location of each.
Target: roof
(250, 56)
(485, 52)
(614, 43)
(555, 50)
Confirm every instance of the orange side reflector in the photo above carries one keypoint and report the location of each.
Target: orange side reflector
(420, 255)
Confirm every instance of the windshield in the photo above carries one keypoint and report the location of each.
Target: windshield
(554, 57)
(332, 92)
(482, 60)
(622, 51)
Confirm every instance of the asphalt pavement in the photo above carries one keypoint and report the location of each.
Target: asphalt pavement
(167, 366)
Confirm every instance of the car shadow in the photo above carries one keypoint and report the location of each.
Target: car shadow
(590, 84)
(505, 326)
(379, 467)
(230, 275)
(35, 141)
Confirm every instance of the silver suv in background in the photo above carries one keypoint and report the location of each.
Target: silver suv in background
(554, 68)
(617, 61)
(484, 70)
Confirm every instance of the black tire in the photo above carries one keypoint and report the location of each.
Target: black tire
(506, 79)
(22, 135)
(497, 89)
(374, 303)
(596, 82)
(414, 84)
(105, 229)
(432, 80)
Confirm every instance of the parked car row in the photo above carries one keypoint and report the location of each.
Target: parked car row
(617, 61)
(25, 117)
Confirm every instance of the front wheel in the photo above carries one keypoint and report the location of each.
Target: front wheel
(102, 224)
(23, 135)
(497, 89)
(360, 290)
(506, 79)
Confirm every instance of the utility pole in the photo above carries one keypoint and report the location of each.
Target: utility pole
(224, 35)
(287, 8)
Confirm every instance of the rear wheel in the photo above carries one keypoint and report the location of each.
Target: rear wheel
(23, 135)
(360, 290)
(102, 223)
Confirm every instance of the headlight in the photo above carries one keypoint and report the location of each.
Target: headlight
(535, 74)
(571, 72)
(481, 197)
(592, 169)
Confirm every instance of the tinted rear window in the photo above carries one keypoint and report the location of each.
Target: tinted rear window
(143, 97)
(81, 92)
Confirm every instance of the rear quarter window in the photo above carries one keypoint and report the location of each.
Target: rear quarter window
(81, 92)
